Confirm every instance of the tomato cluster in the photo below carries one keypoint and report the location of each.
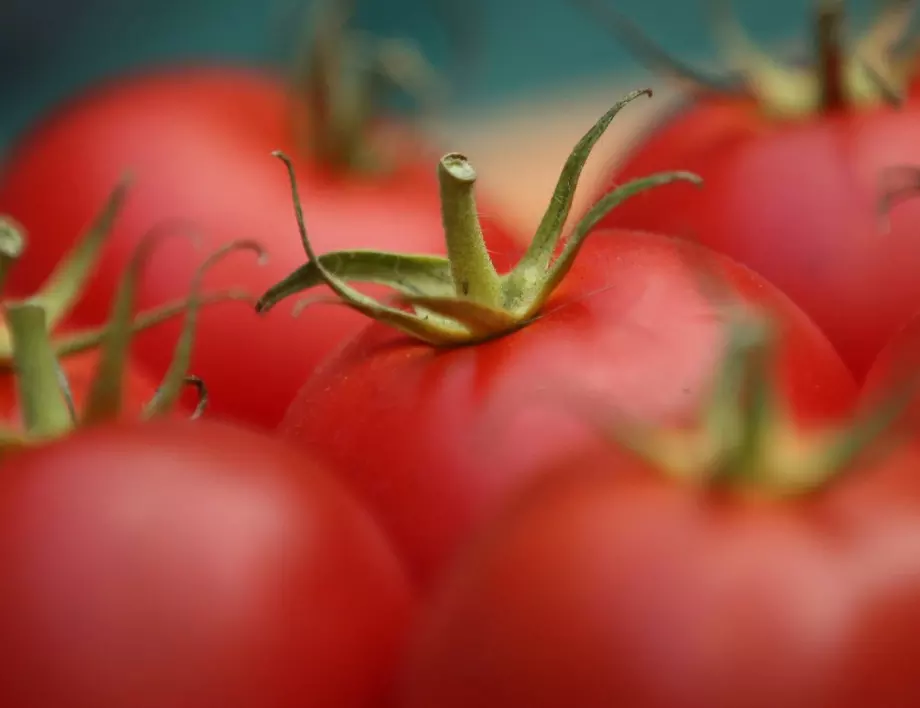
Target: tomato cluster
(666, 457)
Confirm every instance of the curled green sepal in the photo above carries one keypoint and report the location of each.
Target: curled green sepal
(63, 288)
(45, 400)
(105, 397)
(406, 273)
(461, 299)
(177, 376)
(877, 70)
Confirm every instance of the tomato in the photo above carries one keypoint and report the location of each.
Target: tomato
(606, 584)
(190, 564)
(433, 439)
(796, 197)
(198, 142)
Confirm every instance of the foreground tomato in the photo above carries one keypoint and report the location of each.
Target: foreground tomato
(198, 142)
(434, 438)
(190, 564)
(743, 563)
(601, 589)
(793, 168)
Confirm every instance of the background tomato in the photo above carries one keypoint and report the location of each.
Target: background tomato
(199, 143)
(793, 160)
(434, 439)
(796, 202)
(190, 564)
(605, 584)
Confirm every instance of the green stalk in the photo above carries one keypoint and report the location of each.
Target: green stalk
(45, 412)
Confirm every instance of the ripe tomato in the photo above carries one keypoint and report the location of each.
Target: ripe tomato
(190, 564)
(795, 197)
(199, 143)
(433, 439)
(605, 584)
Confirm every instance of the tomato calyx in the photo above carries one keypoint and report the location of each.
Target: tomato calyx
(877, 71)
(747, 439)
(462, 299)
(32, 354)
(64, 286)
(338, 79)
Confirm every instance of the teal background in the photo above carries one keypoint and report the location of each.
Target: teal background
(50, 49)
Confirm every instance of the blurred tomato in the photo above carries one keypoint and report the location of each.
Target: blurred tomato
(190, 564)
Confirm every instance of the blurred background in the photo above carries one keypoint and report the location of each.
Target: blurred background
(544, 69)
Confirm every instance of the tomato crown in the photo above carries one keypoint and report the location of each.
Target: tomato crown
(877, 71)
(747, 438)
(30, 351)
(462, 299)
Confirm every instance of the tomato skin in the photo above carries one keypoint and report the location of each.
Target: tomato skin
(199, 144)
(604, 584)
(218, 569)
(434, 440)
(798, 203)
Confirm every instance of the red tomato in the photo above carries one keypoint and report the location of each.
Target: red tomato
(199, 143)
(190, 564)
(434, 439)
(797, 201)
(606, 585)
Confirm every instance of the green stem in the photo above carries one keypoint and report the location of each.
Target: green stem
(758, 411)
(326, 107)
(831, 54)
(471, 266)
(42, 402)
(722, 421)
